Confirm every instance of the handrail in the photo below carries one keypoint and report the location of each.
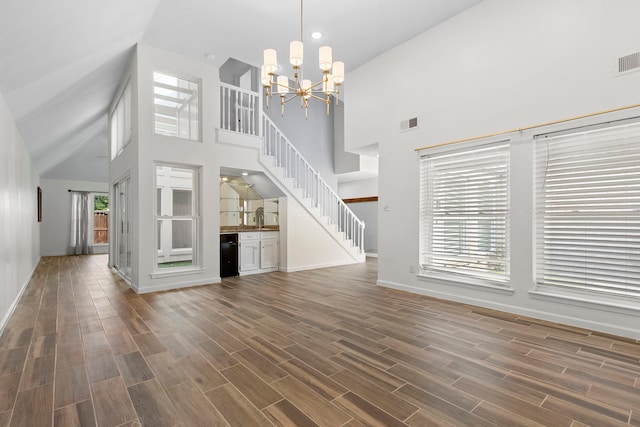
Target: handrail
(313, 186)
(240, 109)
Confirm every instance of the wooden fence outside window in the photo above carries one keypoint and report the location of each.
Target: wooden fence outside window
(101, 228)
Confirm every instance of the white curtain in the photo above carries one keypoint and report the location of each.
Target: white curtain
(80, 209)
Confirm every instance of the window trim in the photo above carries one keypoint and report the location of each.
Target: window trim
(196, 249)
(462, 278)
(180, 76)
(124, 134)
(575, 296)
(93, 195)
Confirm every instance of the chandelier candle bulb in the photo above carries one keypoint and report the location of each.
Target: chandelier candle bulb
(338, 72)
(270, 60)
(296, 53)
(327, 86)
(265, 78)
(283, 85)
(325, 60)
(306, 87)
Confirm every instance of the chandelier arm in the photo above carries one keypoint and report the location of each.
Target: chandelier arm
(317, 97)
(291, 88)
(316, 85)
(284, 101)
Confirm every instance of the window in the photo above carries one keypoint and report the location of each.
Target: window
(588, 211)
(464, 218)
(177, 216)
(176, 107)
(100, 219)
(121, 123)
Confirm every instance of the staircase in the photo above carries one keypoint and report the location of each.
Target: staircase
(240, 113)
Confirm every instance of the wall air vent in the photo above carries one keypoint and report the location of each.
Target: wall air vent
(410, 124)
(629, 63)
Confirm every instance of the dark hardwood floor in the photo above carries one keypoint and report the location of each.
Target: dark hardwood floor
(323, 347)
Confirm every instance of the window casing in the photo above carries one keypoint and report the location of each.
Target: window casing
(121, 132)
(464, 213)
(176, 107)
(177, 217)
(588, 211)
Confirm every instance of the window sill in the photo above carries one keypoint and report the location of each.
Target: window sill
(177, 272)
(593, 301)
(465, 282)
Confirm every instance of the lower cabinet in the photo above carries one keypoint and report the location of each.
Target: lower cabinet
(258, 252)
(269, 253)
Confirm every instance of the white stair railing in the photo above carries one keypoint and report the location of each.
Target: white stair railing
(313, 187)
(239, 110)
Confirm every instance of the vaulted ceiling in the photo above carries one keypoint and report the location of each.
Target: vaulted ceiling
(61, 61)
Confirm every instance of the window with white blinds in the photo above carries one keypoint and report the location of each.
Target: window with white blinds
(588, 211)
(464, 204)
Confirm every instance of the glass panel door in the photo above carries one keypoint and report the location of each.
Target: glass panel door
(123, 224)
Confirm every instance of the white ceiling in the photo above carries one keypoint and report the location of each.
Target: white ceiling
(61, 61)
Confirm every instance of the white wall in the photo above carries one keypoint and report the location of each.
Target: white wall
(56, 213)
(498, 66)
(359, 188)
(19, 229)
(365, 211)
(305, 244)
(140, 156)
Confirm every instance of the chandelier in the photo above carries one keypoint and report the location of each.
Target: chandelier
(332, 76)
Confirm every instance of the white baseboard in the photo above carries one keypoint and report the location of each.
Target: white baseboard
(14, 304)
(313, 267)
(173, 286)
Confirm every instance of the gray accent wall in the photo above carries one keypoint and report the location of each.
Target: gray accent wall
(368, 212)
(313, 136)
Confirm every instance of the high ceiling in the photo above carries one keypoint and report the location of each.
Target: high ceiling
(61, 61)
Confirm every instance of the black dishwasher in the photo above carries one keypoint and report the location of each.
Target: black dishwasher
(228, 255)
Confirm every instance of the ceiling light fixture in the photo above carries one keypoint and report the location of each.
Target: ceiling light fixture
(316, 35)
(332, 76)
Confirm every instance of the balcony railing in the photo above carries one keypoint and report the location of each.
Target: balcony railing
(239, 110)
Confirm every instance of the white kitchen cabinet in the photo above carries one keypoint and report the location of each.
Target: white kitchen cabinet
(258, 252)
(249, 256)
(269, 250)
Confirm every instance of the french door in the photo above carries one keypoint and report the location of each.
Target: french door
(123, 227)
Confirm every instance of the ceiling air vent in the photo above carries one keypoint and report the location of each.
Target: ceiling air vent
(410, 124)
(629, 63)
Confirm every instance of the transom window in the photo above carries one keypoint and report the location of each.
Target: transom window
(176, 107)
(121, 123)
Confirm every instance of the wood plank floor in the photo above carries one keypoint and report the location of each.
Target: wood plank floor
(317, 348)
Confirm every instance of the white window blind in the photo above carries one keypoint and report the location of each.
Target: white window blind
(588, 211)
(465, 212)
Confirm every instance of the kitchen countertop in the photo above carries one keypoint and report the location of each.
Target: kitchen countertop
(245, 228)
